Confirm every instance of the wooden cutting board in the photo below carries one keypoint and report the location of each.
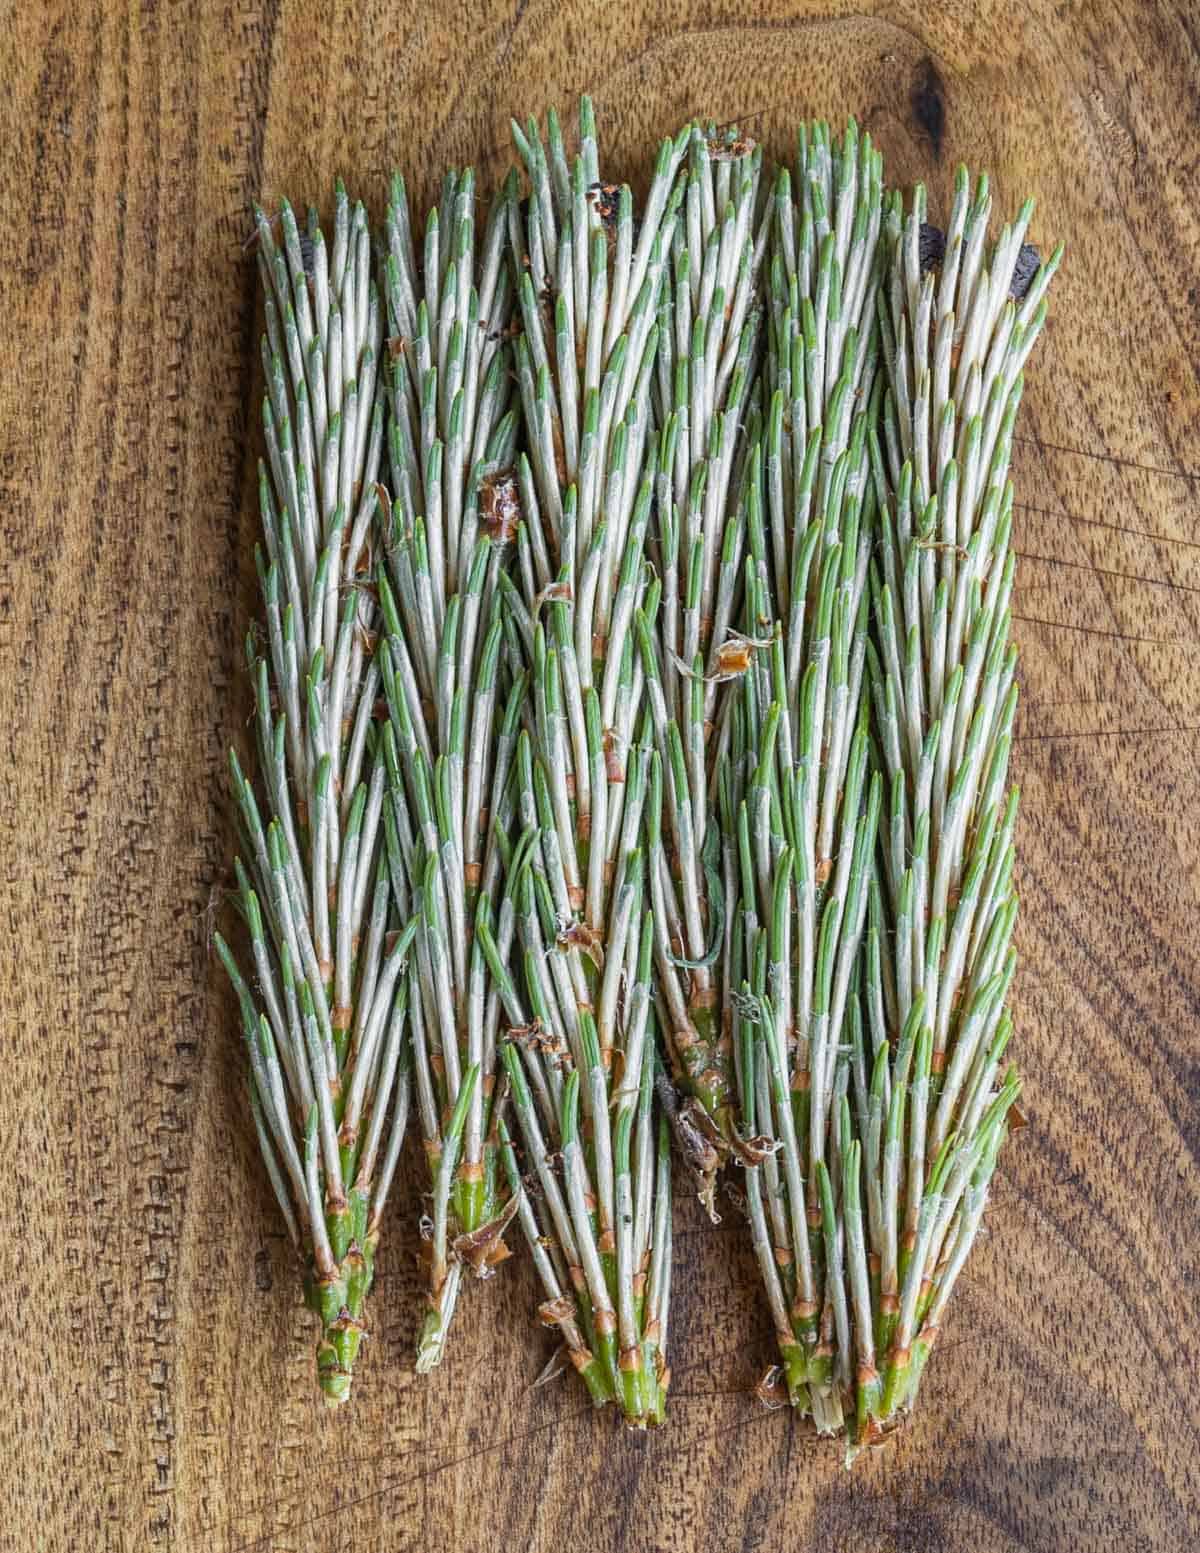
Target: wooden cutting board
(157, 1359)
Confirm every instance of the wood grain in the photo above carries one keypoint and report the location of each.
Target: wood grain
(157, 1360)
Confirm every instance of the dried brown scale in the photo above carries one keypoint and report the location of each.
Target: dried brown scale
(770, 1389)
(483, 1249)
(751, 1151)
(604, 197)
(729, 147)
(500, 506)
(578, 935)
(509, 332)
(732, 658)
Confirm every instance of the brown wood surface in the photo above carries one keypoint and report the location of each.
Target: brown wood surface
(158, 1389)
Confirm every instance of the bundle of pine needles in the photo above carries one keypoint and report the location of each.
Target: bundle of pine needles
(865, 798)
(799, 798)
(581, 1050)
(326, 1025)
(451, 438)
